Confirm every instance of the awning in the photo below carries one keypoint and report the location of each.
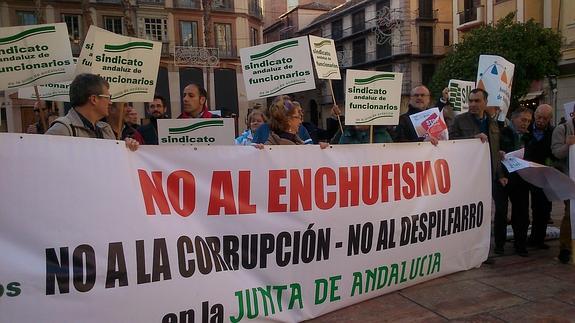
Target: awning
(531, 96)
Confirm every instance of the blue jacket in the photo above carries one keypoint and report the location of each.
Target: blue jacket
(263, 133)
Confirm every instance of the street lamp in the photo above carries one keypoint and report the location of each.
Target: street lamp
(553, 85)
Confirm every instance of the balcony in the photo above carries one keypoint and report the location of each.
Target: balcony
(426, 15)
(165, 49)
(187, 4)
(358, 27)
(255, 9)
(223, 5)
(228, 53)
(470, 18)
(151, 2)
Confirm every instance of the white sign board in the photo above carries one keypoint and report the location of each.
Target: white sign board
(35, 55)
(52, 92)
(459, 95)
(215, 131)
(430, 123)
(372, 98)
(277, 68)
(324, 57)
(569, 109)
(495, 75)
(129, 64)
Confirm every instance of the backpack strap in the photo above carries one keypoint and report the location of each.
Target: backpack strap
(71, 128)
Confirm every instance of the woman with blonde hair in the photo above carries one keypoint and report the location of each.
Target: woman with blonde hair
(285, 119)
(254, 120)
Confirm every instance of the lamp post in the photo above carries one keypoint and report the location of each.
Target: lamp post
(553, 85)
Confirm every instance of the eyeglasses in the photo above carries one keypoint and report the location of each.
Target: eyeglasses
(107, 96)
(419, 95)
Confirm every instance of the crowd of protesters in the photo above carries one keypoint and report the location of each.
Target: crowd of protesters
(94, 116)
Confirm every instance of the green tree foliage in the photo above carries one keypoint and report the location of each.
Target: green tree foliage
(534, 50)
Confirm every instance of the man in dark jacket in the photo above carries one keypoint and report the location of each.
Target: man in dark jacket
(538, 150)
(513, 188)
(156, 110)
(419, 101)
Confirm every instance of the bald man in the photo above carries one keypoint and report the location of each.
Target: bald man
(538, 150)
(419, 100)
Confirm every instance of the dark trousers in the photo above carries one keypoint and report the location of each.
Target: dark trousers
(540, 212)
(516, 191)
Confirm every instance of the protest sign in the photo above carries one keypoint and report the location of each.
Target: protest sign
(34, 55)
(129, 64)
(53, 92)
(324, 57)
(230, 233)
(372, 98)
(277, 68)
(216, 131)
(459, 95)
(495, 75)
(569, 109)
(430, 123)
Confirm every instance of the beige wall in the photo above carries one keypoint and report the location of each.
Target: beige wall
(501, 10)
(534, 9)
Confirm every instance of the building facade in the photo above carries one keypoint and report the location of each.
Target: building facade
(404, 36)
(558, 15)
(236, 24)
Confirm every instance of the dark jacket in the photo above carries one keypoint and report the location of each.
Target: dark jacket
(149, 132)
(539, 151)
(466, 126)
(405, 132)
(353, 136)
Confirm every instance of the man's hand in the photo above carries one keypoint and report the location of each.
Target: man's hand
(434, 141)
(503, 181)
(258, 146)
(323, 145)
(482, 136)
(132, 144)
(570, 140)
(445, 94)
(335, 110)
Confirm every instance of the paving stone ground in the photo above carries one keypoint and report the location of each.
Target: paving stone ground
(514, 289)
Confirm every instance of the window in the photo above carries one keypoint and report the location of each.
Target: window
(254, 37)
(156, 29)
(358, 51)
(381, 4)
(446, 38)
(189, 30)
(223, 38)
(114, 24)
(427, 71)
(425, 40)
(383, 50)
(336, 29)
(74, 25)
(26, 18)
(425, 9)
(358, 21)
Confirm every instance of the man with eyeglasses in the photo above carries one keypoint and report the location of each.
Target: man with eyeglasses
(90, 98)
(418, 101)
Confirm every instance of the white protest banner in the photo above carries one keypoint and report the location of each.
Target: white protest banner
(372, 98)
(430, 123)
(230, 233)
(129, 64)
(277, 68)
(459, 95)
(35, 55)
(569, 108)
(495, 75)
(324, 57)
(216, 131)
